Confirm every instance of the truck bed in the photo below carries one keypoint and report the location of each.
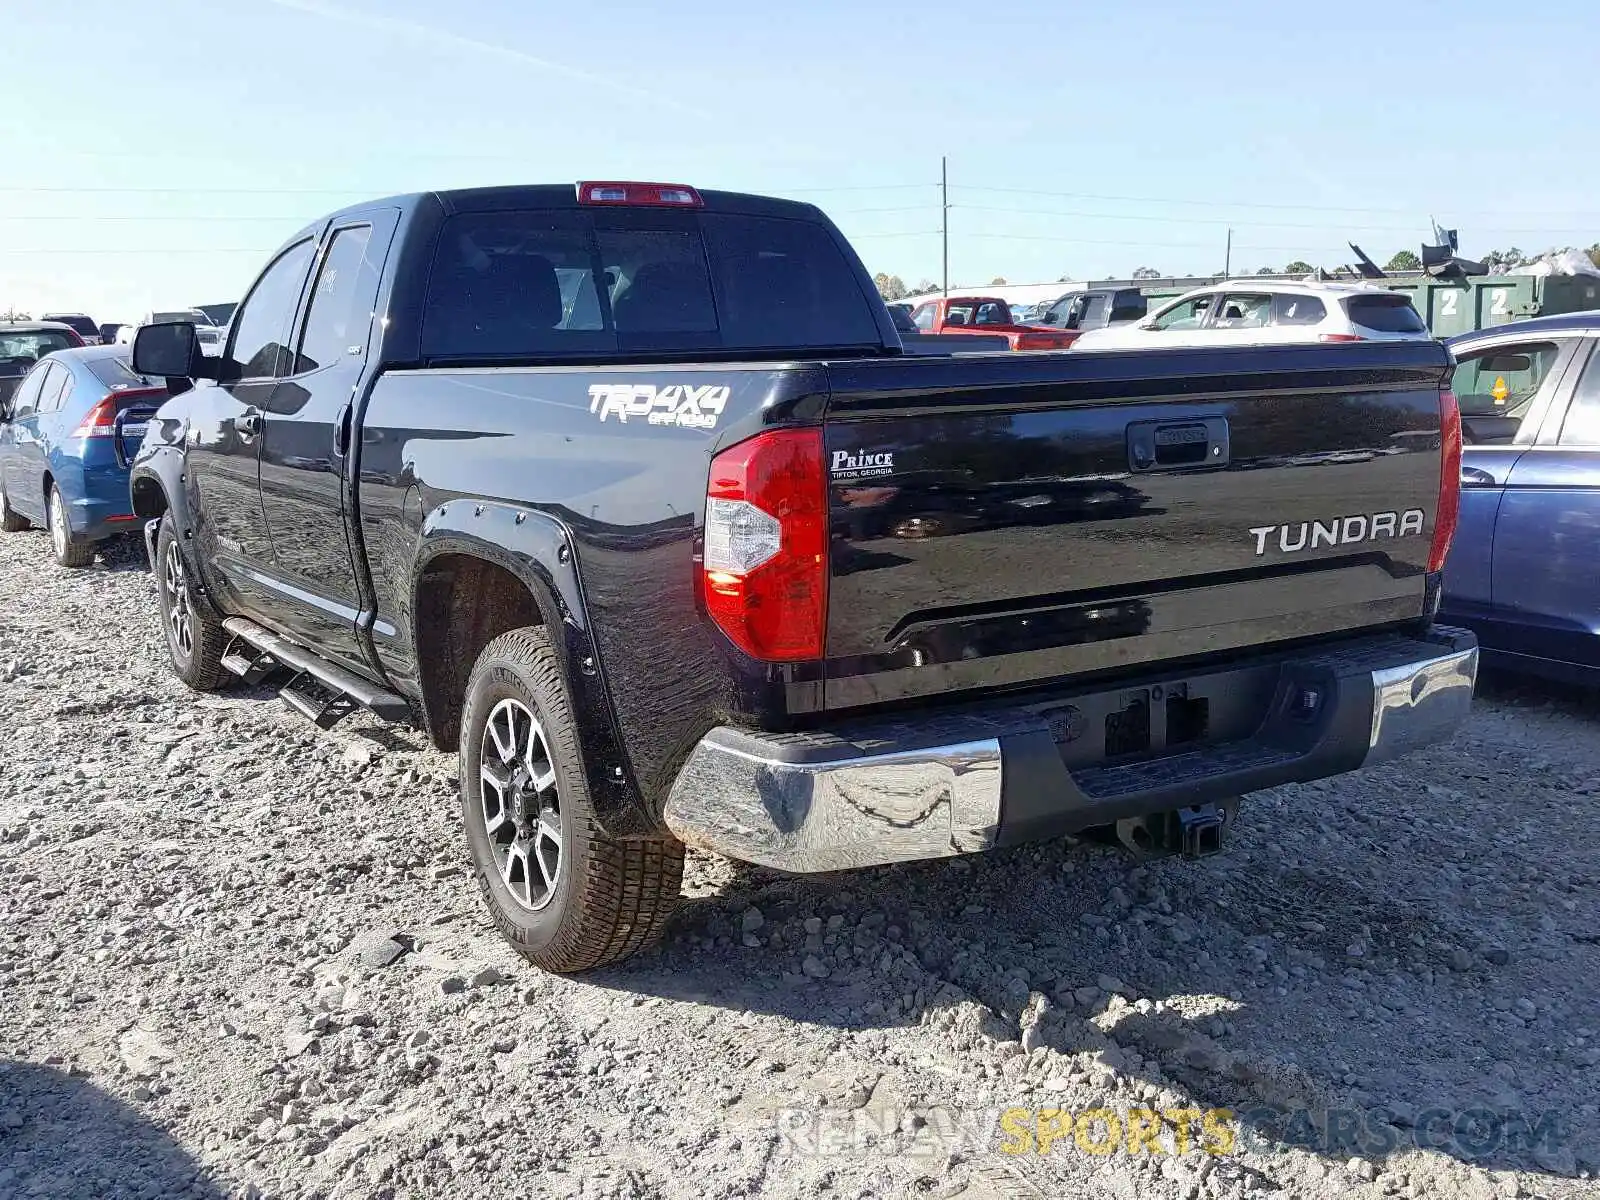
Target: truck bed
(1010, 542)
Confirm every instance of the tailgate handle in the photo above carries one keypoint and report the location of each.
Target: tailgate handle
(1176, 445)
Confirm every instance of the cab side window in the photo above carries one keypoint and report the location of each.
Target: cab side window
(340, 314)
(1191, 314)
(1581, 427)
(26, 400)
(1501, 381)
(54, 391)
(261, 327)
(1292, 309)
(1244, 312)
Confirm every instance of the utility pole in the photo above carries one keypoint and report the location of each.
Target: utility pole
(1227, 255)
(944, 208)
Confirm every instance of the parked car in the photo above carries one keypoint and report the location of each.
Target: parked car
(211, 337)
(108, 334)
(606, 548)
(1094, 308)
(66, 436)
(1249, 312)
(218, 314)
(83, 326)
(968, 315)
(916, 342)
(1525, 570)
(23, 343)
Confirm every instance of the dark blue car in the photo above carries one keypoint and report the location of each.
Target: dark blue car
(67, 434)
(1524, 571)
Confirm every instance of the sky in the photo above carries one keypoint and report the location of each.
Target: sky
(156, 151)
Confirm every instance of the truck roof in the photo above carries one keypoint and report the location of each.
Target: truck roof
(561, 196)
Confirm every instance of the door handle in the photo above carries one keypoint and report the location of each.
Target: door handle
(341, 433)
(248, 423)
(1476, 477)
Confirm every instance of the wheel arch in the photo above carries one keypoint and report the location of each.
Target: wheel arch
(482, 569)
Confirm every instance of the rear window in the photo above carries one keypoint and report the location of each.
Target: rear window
(1386, 314)
(118, 373)
(33, 343)
(543, 284)
(192, 315)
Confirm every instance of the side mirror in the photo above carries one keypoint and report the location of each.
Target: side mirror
(1150, 325)
(171, 351)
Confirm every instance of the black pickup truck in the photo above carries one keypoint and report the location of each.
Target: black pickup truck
(629, 493)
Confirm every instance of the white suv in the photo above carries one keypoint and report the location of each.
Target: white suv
(1244, 312)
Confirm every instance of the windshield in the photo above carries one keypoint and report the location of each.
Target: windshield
(33, 343)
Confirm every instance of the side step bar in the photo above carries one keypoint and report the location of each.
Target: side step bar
(313, 677)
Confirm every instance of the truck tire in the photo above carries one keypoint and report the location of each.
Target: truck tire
(565, 895)
(195, 638)
(11, 521)
(69, 549)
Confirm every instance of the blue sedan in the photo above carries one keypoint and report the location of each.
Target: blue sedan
(1524, 571)
(66, 436)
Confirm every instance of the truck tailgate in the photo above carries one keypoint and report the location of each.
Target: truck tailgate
(999, 522)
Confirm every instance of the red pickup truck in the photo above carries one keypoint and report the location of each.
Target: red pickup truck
(987, 315)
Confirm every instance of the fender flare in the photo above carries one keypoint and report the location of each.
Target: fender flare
(163, 468)
(537, 550)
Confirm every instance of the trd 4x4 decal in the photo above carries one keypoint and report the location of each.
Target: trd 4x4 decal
(680, 404)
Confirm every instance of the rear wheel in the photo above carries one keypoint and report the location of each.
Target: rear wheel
(70, 550)
(565, 895)
(195, 638)
(11, 521)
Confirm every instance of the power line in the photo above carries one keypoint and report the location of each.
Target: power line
(1024, 237)
(182, 191)
(162, 252)
(299, 218)
(860, 187)
(851, 212)
(1230, 221)
(1264, 204)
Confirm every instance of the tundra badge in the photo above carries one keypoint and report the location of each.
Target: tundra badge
(1338, 531)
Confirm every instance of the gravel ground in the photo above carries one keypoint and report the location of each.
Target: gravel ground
(241, 957)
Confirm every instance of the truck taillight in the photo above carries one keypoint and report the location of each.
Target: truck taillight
(1449, 510)
(647, 195)
(1340, 337)
(1044, 341)
(766, 545)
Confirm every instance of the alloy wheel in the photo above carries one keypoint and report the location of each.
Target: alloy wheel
(520, 803)
(180, 610)
(58, 523)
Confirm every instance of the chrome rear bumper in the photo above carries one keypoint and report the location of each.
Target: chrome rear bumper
(886, 793)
